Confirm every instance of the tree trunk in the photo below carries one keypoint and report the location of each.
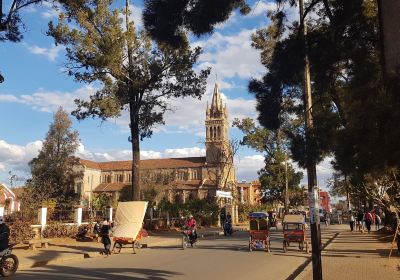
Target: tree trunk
(135, 189)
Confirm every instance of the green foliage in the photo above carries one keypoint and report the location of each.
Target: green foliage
(205, 212)
(274, 146)
(59, 230)
(101, 201)
(136, 75)
(169, 21)
(244, 210)
(54, 170)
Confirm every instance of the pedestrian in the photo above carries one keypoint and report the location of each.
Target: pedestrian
(360, 217)
(351, 222)
(368, 220)
(96, 231)
(377, 222)
(105, 236)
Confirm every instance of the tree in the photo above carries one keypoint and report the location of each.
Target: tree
(54, 171)
(169, 20)
(10, 23)
(274, 174)
(136, 74)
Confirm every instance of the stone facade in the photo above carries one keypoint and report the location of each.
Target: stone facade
(190, 177)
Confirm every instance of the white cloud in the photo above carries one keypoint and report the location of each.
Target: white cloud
(49, 101)
(261, 8)
(248, 166)
(50, 53)
(114, 155)
(231, 56)
(16, 157)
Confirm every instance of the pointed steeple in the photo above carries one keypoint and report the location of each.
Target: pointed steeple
(216, 103)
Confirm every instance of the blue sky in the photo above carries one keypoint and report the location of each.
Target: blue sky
(36, 86)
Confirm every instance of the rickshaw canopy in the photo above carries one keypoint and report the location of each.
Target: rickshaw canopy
(258, 215)
(129, 218)
(293, 219)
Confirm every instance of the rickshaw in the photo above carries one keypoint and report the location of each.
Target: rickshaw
(259, 231)
(294, 230)
(128, 229)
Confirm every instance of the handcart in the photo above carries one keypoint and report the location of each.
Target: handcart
(128, 229)
(259, 231)
(120, 242)
(294, 230)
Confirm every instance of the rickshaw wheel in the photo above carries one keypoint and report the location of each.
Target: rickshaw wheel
(117, 248)
(284, 246)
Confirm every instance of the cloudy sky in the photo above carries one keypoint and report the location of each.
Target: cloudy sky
(36, 86)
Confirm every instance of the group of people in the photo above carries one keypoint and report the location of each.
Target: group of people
(364, 220)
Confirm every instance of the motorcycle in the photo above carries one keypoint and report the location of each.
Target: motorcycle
(8, 262)
(228, 228)
(189, 237)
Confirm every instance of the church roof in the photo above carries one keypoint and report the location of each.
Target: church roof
(110, 187)
(164, 163)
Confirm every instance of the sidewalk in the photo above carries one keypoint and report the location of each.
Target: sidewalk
(357, 256)
(66, 249)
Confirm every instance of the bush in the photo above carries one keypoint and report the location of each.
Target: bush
(59, 230)
(21, 231)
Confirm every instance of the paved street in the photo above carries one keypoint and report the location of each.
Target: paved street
(224, 257)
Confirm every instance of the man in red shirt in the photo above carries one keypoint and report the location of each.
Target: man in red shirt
(191, 224)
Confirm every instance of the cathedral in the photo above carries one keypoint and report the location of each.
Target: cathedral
(209, 177)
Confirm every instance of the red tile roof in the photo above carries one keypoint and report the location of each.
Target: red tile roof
(146, 164)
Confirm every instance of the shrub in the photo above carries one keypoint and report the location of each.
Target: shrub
(58, 230)
(21, 231)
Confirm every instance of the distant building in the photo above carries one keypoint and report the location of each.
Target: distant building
(324, 200)
(249, 193)
(8, 200)
(192, 177)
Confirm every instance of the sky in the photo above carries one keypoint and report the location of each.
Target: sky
(36, 85)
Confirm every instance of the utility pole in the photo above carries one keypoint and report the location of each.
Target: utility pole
(286, 185)
(311, 164)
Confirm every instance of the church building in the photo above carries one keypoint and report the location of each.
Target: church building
(209, 177)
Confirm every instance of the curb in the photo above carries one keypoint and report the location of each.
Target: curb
(301, 271)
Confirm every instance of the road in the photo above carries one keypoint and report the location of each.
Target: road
(220, 258)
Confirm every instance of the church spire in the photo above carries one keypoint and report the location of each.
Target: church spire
(216, 103)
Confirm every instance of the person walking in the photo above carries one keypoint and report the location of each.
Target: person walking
(377, 222)
(368, 221)
(105, 236)
(351, 222)
(360, 217)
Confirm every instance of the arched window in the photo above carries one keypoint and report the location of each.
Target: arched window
(215, 132)
(219, 132)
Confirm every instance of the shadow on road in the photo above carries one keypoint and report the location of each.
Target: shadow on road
(67, 273)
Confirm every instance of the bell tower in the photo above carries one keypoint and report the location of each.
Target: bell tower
(217, 130)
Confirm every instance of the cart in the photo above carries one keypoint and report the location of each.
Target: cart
(128, 229)
(294, 230)
(259, 231)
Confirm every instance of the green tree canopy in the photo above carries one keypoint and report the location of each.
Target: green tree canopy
(135, 74)
(169, 20)
(54, 171)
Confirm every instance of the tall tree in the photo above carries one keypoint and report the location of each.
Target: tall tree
(136, 75)
(169, 20)
(274, 176)
(54, 171)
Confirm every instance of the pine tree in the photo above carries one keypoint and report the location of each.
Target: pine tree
(136, 74)
(54, 170)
